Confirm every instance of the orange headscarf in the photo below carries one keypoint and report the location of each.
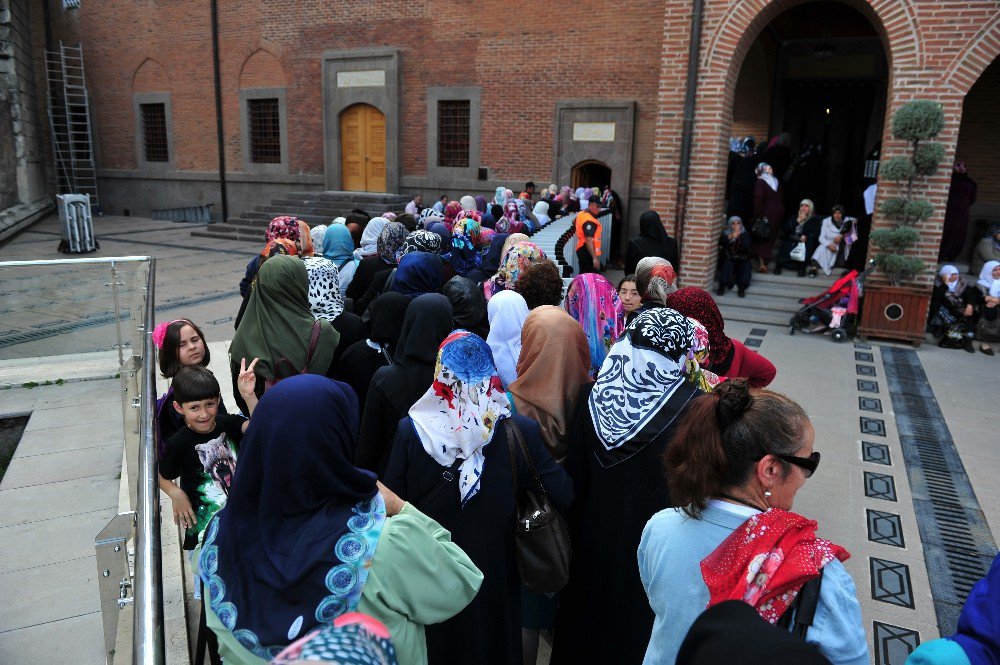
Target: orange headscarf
(305, 238)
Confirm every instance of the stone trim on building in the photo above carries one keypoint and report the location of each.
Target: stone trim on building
(138, 99)
(441, 177)
(247, 94)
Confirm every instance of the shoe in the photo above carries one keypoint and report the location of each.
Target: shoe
(742, 293)
(987, 349)
(777, 270)
(720, 291)
(968, 346)
(763, 270)
(812, 272)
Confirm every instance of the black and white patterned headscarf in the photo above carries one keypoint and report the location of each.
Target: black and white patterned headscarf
(325, 299)
(421, 241)
(636, 395)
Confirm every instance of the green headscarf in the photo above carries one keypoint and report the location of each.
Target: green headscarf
(278, 322)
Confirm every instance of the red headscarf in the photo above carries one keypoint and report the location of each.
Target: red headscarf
(766, 562)
(451, 212)
(698, 304)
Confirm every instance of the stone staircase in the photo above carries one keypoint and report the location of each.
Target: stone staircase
(772, 299)
(313, 207)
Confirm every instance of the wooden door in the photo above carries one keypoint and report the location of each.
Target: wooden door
(362, 149)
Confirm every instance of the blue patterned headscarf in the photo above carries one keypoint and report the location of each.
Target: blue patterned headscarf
(293, 546)
(464, 256)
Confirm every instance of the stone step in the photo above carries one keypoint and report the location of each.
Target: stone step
(349, 197)
(230, 232)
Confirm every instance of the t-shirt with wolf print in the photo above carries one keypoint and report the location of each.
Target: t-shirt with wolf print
(206, 464)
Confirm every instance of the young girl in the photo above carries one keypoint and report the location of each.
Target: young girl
(630, 297)
(180, 343)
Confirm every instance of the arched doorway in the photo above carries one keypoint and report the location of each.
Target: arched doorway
(362, 149)
(816, 75)
(590, 173)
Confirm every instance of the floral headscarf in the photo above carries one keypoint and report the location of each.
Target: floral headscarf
(593, 301)
(469, 223)
(655, 279)
(316, 234)
(390, 242)
(420, 241)
(279, 246)
(391, 216)
(699, 305)
(463, 256)
(500, 197)
(458, 414)
(517, 258)
(693, 370)
(451, 211)
(283, 227)
(512, 220)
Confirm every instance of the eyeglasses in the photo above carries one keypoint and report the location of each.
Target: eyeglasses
(807, 464)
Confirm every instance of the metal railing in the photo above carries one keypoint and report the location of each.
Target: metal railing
(143, 635)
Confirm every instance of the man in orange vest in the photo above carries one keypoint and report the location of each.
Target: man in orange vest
(588, 237)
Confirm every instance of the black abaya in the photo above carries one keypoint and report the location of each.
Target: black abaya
(652, 241)
(604, 615)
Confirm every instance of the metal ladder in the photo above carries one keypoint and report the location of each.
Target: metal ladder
(69, 120)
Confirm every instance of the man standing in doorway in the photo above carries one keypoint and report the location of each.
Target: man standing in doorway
(588, 237)
(414, 206)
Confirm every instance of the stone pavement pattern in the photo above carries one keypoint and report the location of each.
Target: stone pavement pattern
(859, 501)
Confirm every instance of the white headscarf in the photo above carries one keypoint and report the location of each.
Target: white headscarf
(317, 232)
(507, 311)
(769, 178)
(467, 202)
(369, 238)
(946, 272)
(986, 280)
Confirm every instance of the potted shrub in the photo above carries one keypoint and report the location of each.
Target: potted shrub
(899, 310)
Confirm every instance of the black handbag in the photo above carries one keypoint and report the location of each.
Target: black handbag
(541, 539)
(761, 228)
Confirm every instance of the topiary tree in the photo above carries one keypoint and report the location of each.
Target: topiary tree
(914, 122)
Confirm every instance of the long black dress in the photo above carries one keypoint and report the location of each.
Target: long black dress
(604, 615)
(652, 241)
(488, 631)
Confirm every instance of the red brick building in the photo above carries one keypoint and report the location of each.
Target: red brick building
(457, 97)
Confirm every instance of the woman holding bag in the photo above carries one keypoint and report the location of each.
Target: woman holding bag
(798, 240)
(451, 458)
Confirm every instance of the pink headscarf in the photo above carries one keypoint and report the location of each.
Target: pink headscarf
(283, 227)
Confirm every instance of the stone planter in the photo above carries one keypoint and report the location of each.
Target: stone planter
(894, 312)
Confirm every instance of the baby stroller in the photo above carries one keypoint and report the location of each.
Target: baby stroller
(835, 310)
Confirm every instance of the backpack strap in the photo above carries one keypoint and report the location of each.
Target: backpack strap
(388, 282)
(803, 607)
(447, 476)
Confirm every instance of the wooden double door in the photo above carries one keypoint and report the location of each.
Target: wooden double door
(362, 149)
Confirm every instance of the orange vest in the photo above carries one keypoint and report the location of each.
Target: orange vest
(581, 239)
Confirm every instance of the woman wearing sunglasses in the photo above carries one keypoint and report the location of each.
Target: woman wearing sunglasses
(736, 460)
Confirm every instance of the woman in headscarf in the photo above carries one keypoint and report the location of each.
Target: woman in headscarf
(460, 426)
(278, 326)
(511, 222)
(317, 232)
(987, 249)
(954, 310)
(306, 537)
(593, 302)
(480, 203)
(512, 239)
(836, 235)
(735, 268)
(286, 228)
(514, 261)
(652, 241)
(370, 263)
(464, 256)
(468, 304)
(804, 228)
(737, 459)
(338, 247)
(491, 259)
(362, 359)
(468, 223)
(583, 197)
(507, 312)
(500, 197)
(395, 388)
(768, 201)
(390, 250)
(327, 302)
(989, 322)
(451, 211)
(467, 202)
(655, 279)
(418, 273)
(441, 230)
(541, 212)
(305, 240)
(420, 240)
(616, 441)
(728, 357)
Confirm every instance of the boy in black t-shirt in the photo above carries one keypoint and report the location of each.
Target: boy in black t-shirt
(203, 452)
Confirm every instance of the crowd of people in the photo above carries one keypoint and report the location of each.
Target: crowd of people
(405, 384)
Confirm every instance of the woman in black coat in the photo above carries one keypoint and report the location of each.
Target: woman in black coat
(652, 241)
(804, 227)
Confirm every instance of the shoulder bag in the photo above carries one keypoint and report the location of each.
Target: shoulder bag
(283, 362)
(761, 228)
(541, 540)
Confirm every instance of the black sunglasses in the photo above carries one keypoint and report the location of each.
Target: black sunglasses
(807, 464)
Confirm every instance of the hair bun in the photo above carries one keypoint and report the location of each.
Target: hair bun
(734, 400)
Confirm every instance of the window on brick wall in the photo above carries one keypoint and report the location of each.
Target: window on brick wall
(453, 132)
(154, 132)
(264, 127)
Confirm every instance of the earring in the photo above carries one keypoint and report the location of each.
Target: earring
(767, 493)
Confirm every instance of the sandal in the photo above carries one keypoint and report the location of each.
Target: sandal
(987, 349)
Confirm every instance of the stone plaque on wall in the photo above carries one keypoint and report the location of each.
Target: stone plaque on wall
(369, 78)
(594, 131)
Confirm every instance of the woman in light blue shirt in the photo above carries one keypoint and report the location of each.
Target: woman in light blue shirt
(735, 464)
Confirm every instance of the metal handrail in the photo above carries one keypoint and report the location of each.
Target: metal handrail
(148, 641)
(148, 645)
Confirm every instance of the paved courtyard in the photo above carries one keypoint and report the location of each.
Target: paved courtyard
(908, 437)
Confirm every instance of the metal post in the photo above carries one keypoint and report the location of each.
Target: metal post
(118, 312)
(148, 645)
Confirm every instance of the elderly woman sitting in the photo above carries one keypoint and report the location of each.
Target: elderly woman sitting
(954, 310)
(836, 235)
(988, 329)
(803, 228)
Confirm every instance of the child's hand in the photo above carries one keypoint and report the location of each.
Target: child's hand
(247, 380)
(183, 512)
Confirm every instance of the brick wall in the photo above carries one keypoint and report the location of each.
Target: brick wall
(979, 138)
(752, 97)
